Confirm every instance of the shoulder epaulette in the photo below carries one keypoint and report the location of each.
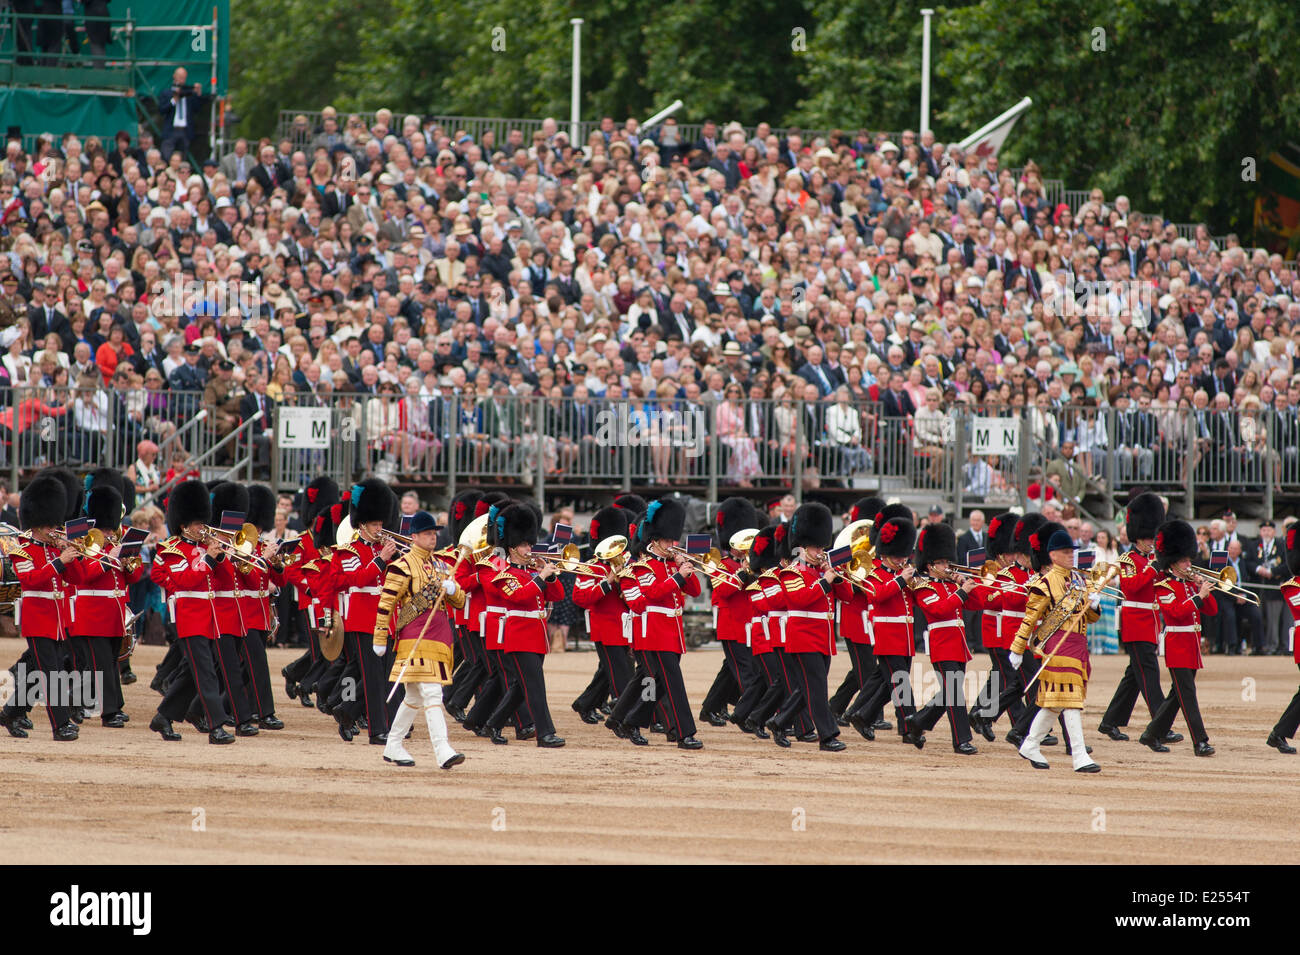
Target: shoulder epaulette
(1165, 582)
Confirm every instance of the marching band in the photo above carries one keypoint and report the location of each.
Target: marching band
(452, 621)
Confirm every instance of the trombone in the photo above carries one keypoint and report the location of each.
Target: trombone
(93, 544)
(241, 545)
(710, 564)
(570, 563)
(1224, 581)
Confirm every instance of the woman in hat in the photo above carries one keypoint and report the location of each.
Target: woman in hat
(1183, 599)
(742, 465)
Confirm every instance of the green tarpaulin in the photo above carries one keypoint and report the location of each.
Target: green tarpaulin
(58, 112)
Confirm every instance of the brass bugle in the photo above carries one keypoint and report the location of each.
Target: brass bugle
(1222, 581)
(710, 566)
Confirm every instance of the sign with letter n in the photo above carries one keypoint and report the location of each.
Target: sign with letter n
(304, 428)
(999, 436)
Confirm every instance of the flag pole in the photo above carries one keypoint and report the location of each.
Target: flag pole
(927, 13)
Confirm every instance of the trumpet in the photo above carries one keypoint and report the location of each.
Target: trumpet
(402, 542)
(1224, 581)
(569, 563)
(93, 544)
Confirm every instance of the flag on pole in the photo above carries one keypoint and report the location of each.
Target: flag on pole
(988, 139)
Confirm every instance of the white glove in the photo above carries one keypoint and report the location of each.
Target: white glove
(449, 587)
(1016, 660)
(1095, 602)
(379, 648)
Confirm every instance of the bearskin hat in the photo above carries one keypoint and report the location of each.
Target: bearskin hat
(1145, 514)
(104, 507)
(370, 500)
(935, 542)
(609, 522)
(320, 494)
(664, 519)
(632, 502)
(325, 526)
(781, 540)
(73, 491)
(43, 503)
(1002, 534)
(811, 525)
(188, 502)
(734, 514)
(486, 502)
(763, 554)
(895, 537)
(261, 507)
(229, 496)
(866, 509)
(1174, 541)
(461, 511)
(1026, 526)
(1293, 548)
(1040, 543)
(516, 524)
(888, 512)
(112, 477)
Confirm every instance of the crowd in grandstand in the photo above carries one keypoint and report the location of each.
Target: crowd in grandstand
(439, 280)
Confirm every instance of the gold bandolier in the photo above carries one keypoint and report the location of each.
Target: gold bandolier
(410, 587)
(1065, 684)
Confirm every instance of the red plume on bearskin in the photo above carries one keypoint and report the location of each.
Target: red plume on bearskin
(311, 494)
(722, 517)
(779, 533)
(920, 540)
(995, 525)
(458, 512)
(760, 545)
(593, 530)
(631, 529)
(1160, 540)
(1033, 541)
(887, 532)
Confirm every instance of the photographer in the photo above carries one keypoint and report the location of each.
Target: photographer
(180, 107)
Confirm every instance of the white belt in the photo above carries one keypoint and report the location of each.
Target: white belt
(533, 614)
(198, 594)
(809, 614)
(1184, 628)
(495, 610)
(938, 624)
(101, 593)
(666, 611)
(225, 593)
(891, 619)
(1014, 614)
(49, 594)
(365, 590)
(1136, 606)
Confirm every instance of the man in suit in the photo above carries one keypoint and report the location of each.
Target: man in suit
(974, 538)
(895, 402)
(267, 173)
(1074, 482)
(1236, 611)
(760, 425)
(817, 372)
(237, 165)
(41, 314)
(255, 399)
(678, 321)
(1266, 565)
(180, 106)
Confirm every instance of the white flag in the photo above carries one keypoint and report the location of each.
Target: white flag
(987, 140)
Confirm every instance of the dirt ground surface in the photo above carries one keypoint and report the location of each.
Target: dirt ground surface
(303, 795)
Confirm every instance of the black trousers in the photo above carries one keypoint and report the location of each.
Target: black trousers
(807, 673)
(257, 675)
(638, 702)
(758, 687)
(526, 685)
(1182, 696)
(173, 662)
(374, 670)
(196, 679)
(617, 659)
(473, 671)
(1141, 676)
(231, 672)
(103, 658)
(597, 690)
(1290, 721)
(47, 657)
(951, 697)
(1003, 691)
(863, 660)
(670, 691)
(727, 684)
(894, 683)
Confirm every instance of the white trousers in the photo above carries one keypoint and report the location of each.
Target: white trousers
(1042, 725)
(427, 697)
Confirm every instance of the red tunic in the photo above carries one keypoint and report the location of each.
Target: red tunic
(1013, 599)
(810, 614)
(358, 581)
(608, 620)
(1139, 621)
(524, 596)
(730, 605)
(1182, 621)
(855, 621)
(891, 613)
(1291, 594)
(184, 572)
(665, 593)
(767, 598)
(227, 588)
(101, 598)
(44, 608)
(942, 602)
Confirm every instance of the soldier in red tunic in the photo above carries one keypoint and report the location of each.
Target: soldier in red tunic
(301, 675)
(256, 594)
(1000, 599)
(809, 584)
(764, 691)
(942, 600)
(523, 588)
(1286, 727)
(1139, 620)
(228, 588)
(851, 613)
(609, 622)
(184, 568)
(357, 568)
(39, 563)
(731, 610)
(473, 676)
(1183, 599)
